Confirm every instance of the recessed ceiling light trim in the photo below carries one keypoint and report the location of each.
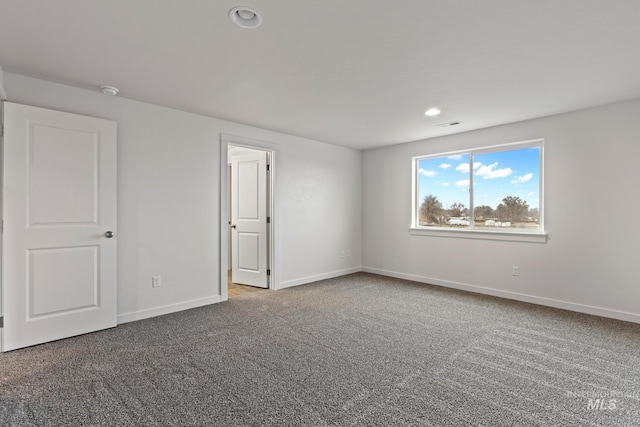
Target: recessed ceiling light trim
(432, 112)
(245, 17)
(109, 90)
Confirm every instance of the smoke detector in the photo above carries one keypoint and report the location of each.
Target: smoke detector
(109, 90)
(245, 17)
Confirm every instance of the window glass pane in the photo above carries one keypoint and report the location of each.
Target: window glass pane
(443, 191)
(507, 189)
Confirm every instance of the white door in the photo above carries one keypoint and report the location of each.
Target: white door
(249, 219)
(59, 263)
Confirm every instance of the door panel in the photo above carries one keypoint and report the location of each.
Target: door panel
(249, 256)
(47, 280)
(59, 269)
(69, 197)
(249, 219)
(249, 189)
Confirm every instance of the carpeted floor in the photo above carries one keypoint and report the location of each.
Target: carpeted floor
(358, 350)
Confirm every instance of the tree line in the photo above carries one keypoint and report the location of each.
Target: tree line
(511, 209)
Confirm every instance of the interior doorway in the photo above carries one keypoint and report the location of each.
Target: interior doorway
(249, 213)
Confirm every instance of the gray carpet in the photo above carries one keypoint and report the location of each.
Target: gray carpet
(357, 350)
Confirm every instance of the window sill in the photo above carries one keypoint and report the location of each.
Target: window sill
(508, 236)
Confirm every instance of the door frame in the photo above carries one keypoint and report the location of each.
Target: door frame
(272, 259)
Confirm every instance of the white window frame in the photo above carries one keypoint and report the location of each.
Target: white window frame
(517, 235)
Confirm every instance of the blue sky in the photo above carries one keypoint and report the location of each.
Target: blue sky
(496, 175)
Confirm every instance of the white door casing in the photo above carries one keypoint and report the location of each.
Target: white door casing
(249, 219)
(59, 267)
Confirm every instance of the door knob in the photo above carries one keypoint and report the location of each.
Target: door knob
(233, 226)
(109, 234)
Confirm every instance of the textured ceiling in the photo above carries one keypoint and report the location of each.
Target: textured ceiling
(358, 73)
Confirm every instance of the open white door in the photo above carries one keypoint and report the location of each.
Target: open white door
(249, 219)
(59, 211)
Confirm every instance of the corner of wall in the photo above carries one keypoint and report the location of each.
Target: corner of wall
(311, 279)
(3, 94)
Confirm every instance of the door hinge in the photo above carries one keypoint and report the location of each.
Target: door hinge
(268, 167)
(2, 130)
(268, 272)
(2, 322)
(268, 220)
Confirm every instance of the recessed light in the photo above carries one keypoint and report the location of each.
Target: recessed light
(245, 17)
(109, 90)
(432, 112)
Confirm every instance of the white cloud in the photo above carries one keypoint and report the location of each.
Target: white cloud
(489, 172)
(445, 184)
(445, 166)
(464, 167)
(455, 157)
(462, 183)
(427, 173)
(521, 179)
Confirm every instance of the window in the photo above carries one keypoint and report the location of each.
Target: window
(492, 190)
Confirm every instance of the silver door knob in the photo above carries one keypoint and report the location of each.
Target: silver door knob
(109, 234)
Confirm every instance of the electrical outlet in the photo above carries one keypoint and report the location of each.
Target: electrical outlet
(341, 254)
(156, 282)
(515, 270)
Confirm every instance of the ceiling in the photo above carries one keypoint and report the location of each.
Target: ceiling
(357, 73)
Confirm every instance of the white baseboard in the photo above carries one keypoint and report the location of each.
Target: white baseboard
(167, 309)
(310, 279)
(548, 302)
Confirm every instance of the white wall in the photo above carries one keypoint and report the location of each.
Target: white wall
(589, 262)
(169, 198)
